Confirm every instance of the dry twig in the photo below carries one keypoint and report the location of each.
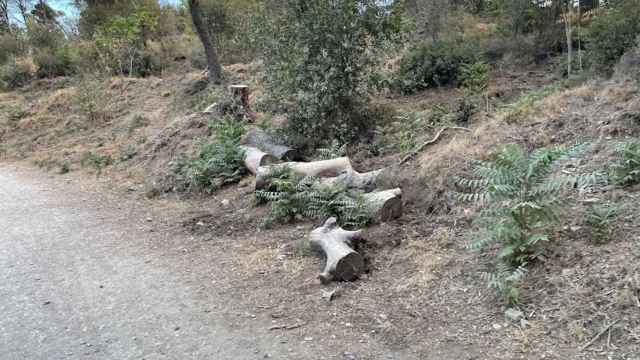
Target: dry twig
(598, 335)
(430, 142)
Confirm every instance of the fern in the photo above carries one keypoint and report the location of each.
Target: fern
(626, 169)
(520, 197)
(294, 197)
(600, 217)
(219, 160)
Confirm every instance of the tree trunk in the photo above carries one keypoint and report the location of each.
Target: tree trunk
(384, 205)
(254, 159)
(209, 43)
(322, 169)
(352, 179)
(258, 138)
(343, 263)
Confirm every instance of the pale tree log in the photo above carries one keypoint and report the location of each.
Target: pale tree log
(343, 263)
(254, 158)
(322, 169)
(384, 205)
(259, 138)
(352, 179)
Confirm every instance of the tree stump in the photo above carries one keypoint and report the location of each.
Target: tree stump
(343, 263)
(323, 169)
(258, 138)
(254, 159)
(384, 205)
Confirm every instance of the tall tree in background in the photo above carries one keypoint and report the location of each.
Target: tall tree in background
(4, 16)
(208, 42)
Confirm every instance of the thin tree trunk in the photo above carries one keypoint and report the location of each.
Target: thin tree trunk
(209, 43)
(568, 32)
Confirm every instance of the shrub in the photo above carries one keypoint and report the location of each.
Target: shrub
(220, 160)
(600, 217)
(475, 77)
(625, 171)
(436, 64)
(10, 46)
(317, 57)
(96, 161)
(16, 73)
(92, 99)
(612, 33)
(56, 62)
(521, 199)
(294, 197)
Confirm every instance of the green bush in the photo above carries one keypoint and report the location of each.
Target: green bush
(475, 77)
(10, 46)
(219, 161)
(318, 55)
(58, 62)
(625, 171)
(600, 217)
(295, 197)
(15, 73)
(521, 198)
(613, 33)
(436, 64)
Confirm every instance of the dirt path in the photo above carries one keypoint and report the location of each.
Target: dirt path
(79, 279)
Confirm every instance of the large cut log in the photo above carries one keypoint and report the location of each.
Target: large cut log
(254, 158)
(322, 169)
(352, 179)
(384, 205)
(343, 263)
(258, 138)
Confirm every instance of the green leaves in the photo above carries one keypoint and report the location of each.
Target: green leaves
(519, 194)
(626, 169)
(219, 160)
(293, 197)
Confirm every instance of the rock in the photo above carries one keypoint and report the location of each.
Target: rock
(514, 315)
(225, 202)
(349, 356)
(497, 326)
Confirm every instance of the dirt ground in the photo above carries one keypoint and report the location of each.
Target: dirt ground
(423, 295)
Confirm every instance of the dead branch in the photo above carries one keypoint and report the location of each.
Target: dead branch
(430, 142)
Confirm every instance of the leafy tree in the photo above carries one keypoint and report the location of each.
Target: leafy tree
(317, 55)
(521, 198)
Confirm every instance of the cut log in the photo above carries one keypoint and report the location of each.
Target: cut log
(352, 179)
(323, 169)
(258, 138)
(343, 263)
(254, 158)
(384, 205)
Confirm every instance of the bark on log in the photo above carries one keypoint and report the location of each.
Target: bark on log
(323, 169)
(343, 263)
(384, 205)
(258, 138)
(352, 179)
(254, 158)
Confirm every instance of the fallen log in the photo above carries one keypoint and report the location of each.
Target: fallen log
(322, 169)
(258, 138)
(384, 205)
(352, 179)
(343, 263)
(254, 158)
(415, 152)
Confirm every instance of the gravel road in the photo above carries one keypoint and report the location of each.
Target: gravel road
(77, 281)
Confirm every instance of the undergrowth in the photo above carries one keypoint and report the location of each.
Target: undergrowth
(625, 171)
(521, 197)
(293, 197)
(219, 160)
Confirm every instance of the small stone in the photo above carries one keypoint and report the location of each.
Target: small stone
(497, 326)
(348, 324)
(513, 315)
(177, 328)
(308, 339)
(348, 355)
(149, 219)
(225, 202)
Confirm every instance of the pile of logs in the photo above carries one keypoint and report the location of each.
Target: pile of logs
(262, 154)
